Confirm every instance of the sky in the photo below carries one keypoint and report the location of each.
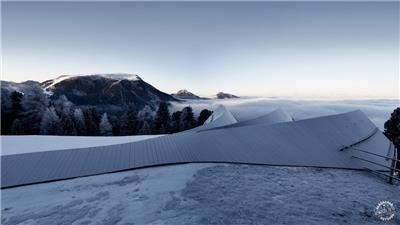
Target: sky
(294, 49)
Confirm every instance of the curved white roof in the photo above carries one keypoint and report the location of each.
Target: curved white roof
(17, 144)
(220, 117)
(313, 142)
(276, 116)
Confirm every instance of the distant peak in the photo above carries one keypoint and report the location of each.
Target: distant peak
(184, 91)
(185, 94)
(222, 95)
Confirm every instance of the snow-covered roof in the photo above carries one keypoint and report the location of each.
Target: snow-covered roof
(276, 116)
(17, 144)
(313, 142)
(220, 117)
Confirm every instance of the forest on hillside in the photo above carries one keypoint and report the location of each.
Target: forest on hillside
(36, 114)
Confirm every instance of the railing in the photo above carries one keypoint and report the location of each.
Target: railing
(394, 161)
(392, 168)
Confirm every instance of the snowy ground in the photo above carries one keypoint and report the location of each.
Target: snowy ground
(38, 143)
(204, 194)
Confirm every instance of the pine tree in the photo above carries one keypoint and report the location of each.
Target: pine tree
(146, 120)
(105, 126)
(176, 121)
(187, 118)
(18, 127)
(63, 106)
(204, 114)
(10, 111)
(161, 122)
(68, 125)
(129, 122)
(145, 128)
(64, 109)
(79, 122)
(116, 125)
(34, 105)
(92, 121)
(16, 106)
(5, 116)
(146, 113)
(50, 122)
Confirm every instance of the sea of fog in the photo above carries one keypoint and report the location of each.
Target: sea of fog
(378, 110)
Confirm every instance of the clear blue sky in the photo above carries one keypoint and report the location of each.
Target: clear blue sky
(255, 48)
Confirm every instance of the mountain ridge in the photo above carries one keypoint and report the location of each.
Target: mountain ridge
(109, 92)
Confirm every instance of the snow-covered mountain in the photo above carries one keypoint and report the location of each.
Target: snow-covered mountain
(222, 95)
(116, 76)
(108, 92)
(185, 94)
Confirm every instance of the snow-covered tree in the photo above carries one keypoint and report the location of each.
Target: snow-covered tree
(50, 123)
(79, 121)
(105, 126)
(34, 106)
(62, 105)
(64, 109)
(145, 117)
(145, 128)
(146, 113)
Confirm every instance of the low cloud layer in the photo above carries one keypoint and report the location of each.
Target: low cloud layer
(247, 108)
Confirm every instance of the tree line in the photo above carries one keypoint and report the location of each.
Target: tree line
(35, 114)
